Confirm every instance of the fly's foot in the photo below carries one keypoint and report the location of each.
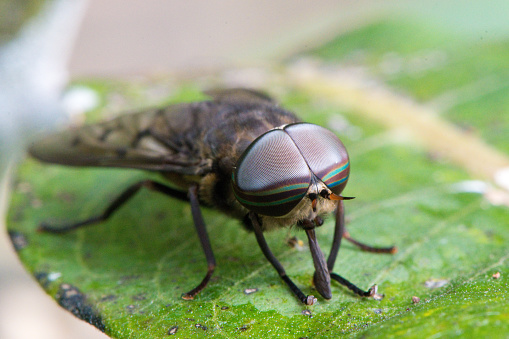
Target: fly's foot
(310, 300)
(373, 293)
(187, 296)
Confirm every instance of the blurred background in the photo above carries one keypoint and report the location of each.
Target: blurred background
(46, 44)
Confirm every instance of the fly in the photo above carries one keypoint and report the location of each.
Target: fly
(240, 153)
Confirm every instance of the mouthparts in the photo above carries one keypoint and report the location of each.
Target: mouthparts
(322, 275)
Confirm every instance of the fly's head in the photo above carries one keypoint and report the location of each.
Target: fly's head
(295, 172)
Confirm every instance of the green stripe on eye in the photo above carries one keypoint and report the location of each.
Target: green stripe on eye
(277, 190)
(283, 189)
(336, 171)
(268, 203)
(335, 183)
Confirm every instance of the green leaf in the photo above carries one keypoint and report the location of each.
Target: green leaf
(126, 275)
(465, 80)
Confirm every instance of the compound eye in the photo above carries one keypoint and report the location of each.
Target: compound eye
(271, 176)
(324, 153)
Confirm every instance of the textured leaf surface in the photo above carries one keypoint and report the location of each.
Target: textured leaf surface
(131, 270)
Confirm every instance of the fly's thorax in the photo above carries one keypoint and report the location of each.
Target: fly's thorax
(237, 126)
(225, 144)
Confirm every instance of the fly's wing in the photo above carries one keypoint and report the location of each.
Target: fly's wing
(240, 95)
(165, 140)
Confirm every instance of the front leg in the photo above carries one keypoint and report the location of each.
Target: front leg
(255, 223)
(339, 231)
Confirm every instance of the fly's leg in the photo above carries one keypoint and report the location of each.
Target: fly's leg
(255, 223)
(116, 204)
(339, 232)
(199, 223)
(368, 248)
(155, 186)
(372, 292)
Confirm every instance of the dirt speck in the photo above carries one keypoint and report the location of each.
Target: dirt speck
(296, 243)
(173, 330)
(200, 326)
(243, 328)
(307, 313)
(435, 283)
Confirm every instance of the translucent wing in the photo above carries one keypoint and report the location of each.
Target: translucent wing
(183, 138)
(160, 140)
(240, 95)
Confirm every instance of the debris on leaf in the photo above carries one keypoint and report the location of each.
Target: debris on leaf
(296, 243)
(173, 330)
(200, 326)
(250, 290)
(307, 312)
(53, 276)
(435, 283)
(243, 328)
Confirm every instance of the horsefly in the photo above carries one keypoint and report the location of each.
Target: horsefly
(240, 153)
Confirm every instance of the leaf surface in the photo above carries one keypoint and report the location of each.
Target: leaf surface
(126, 275)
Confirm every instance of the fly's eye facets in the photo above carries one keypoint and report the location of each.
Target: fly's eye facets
(324, 153)
(271, 176)
(275, 171)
